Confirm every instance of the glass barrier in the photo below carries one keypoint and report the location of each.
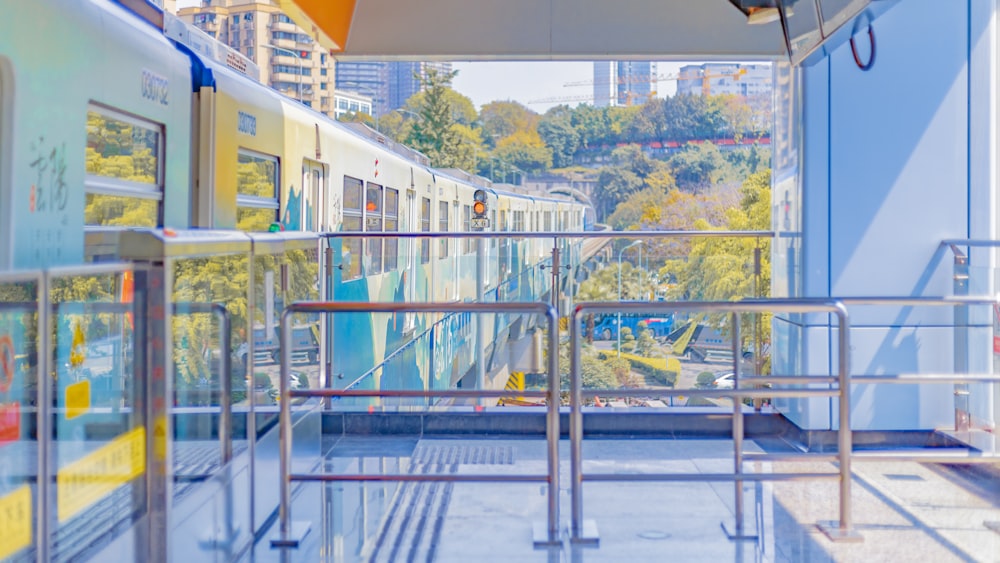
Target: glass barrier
(199, 348)
(19, 324)
(98, 458)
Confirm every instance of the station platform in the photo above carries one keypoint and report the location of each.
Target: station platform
(904, 511)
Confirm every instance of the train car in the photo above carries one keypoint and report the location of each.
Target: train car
(94, 123)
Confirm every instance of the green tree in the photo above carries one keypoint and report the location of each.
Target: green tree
(525, 150)
(556, 129)
(500, 120)
(720, 269)
(433, 134)
(699, 166)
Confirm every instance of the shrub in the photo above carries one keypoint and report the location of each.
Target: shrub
(705, 379)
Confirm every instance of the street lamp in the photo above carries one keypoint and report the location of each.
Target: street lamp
(619, 326)
(297, 56)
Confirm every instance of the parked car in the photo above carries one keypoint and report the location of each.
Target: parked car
(725, 381)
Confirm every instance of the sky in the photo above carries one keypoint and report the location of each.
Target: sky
(526, 82)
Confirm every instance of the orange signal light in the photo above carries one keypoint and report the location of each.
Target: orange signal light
(479, 208)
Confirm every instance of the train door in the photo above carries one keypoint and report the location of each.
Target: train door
(314, 197)
(409, 218)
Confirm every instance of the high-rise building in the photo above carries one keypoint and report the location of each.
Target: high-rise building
(623, 83)
(290, 60)
(713, 79)
(365, 78)
(406, 79)
(389, 84)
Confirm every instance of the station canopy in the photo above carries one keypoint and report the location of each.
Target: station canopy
(799, 30)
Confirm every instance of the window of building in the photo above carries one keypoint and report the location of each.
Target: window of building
(256, 191)
(236, 19)
(322, 85)
(353, 216)
(391, 226)
(322, 72)
(342, 104)
(355, 107)
(124, 171)
(425, 226)
(322, 58)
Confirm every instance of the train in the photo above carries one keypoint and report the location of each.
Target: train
(112, 119)
(119, 122)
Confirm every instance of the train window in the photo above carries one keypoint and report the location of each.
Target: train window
(548, 221)
(425, 226)
(443, 227)
(352, 224)
(503, 221)
(391, 225)
(256, 191)
(373, 223)
(467, 227)
(124, 181)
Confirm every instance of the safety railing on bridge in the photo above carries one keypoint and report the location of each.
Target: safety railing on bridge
(290, 533)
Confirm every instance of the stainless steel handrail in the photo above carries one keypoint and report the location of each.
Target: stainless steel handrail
(843, 531)
(285, 538)
(558, 234)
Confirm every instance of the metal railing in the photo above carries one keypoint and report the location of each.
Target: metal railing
(290, 534)
(581, 532)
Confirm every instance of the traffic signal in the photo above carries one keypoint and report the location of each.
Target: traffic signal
(479, 219)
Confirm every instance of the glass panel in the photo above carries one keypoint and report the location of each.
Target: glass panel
(18, 401)
(123, 148)
(199, 348)
(257, 175)
(100, 435)
(115, 210)
(124, 173)
(425, 226)
(443, 228)
(255, 219)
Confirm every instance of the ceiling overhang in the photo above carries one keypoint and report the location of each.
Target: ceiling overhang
(571, 29)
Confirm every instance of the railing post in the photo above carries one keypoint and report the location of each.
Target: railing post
(738, 532)
(960, 279)
(550, 535)
(844, 531)
(580, 532)
(289, 534)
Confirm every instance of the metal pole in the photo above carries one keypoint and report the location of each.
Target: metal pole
(555, 273)
(961, 341)
(575, 431)
(844, 437)
(737, 428)
(480, 320)
(44, 419)
(285, 430)
(552, 427)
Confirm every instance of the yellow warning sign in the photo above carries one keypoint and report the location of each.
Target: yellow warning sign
(77, 399)
(90, 478)
(15, 522)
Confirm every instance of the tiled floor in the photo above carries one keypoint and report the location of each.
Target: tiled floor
(904, 511)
